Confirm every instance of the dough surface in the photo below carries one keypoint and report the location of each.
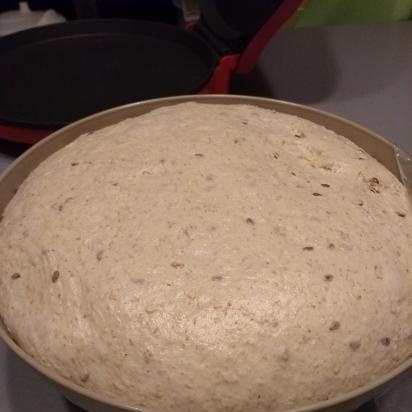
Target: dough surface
(210, 257)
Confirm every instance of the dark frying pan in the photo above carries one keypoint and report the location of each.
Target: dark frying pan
(54, 75)
(93, 65)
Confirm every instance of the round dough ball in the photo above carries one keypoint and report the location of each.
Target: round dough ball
(210, 257)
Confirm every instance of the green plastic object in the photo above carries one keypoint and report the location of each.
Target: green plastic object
(336, 12)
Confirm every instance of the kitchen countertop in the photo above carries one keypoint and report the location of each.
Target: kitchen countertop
(363, 73)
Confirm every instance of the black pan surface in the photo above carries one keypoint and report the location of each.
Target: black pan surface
(53, 75)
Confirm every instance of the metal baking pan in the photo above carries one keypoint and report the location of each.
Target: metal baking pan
(10, 180)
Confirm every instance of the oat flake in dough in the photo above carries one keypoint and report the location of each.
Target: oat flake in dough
(210, 257)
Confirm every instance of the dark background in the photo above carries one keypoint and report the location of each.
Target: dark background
(154, 10)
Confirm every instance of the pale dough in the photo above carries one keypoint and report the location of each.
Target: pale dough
(210, 258)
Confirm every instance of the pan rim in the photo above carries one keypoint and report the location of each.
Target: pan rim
(229, 99)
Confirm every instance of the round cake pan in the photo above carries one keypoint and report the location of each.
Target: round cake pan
(376, 146)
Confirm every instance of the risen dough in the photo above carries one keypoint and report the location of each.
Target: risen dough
(210, 258)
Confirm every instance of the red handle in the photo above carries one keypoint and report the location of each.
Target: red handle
(250, 55)
(22, 134)
(219, 83)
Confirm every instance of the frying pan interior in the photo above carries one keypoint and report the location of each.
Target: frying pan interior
(54, 75)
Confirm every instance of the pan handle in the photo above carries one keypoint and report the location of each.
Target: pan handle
(250, 55)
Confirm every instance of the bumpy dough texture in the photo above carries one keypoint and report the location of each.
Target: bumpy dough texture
(209, 257)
